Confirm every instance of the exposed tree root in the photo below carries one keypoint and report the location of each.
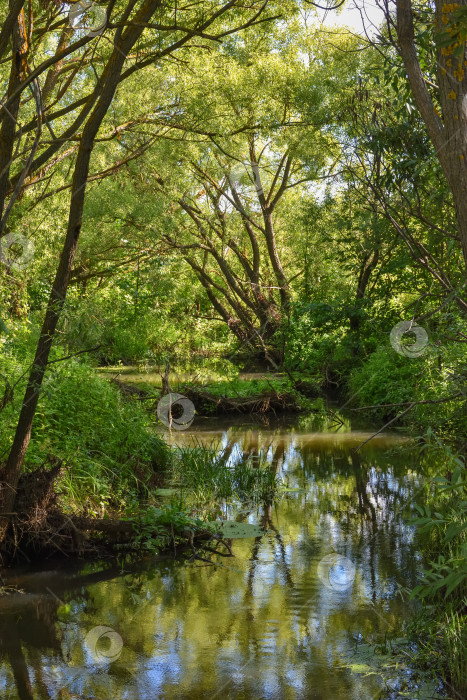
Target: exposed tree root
(39, 528)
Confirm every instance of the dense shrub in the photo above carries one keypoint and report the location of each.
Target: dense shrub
(108, 445)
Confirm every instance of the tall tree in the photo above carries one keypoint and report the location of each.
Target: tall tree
(446, 126)
(132, 21)
(236, 180)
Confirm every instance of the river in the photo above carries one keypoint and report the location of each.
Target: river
(275, 621)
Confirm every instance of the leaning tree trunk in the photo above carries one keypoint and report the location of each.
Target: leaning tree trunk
(366, 269)
(448, 132)
(8, 124)
(106, 87)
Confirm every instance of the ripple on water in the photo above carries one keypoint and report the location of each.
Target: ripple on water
(274, 622)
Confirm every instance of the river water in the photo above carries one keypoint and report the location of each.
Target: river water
(275, 621)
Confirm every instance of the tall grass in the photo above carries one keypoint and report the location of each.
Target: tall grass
(441, 629)
(208, 474)
(110, 452)
(456, 647)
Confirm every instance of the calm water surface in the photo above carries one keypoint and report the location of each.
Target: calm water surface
(273, 622)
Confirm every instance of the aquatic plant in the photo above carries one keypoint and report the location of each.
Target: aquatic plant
(208, 474)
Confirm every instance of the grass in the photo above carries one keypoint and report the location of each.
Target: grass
(147, 374)
(248, 387)
(209, 475)
(203, 479)
(440, 630)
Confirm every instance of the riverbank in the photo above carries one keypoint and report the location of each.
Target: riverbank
(301, 594)
(153, 489)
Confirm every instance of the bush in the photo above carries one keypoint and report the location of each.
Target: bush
(389, 378)
(441, 628)
(107, 444)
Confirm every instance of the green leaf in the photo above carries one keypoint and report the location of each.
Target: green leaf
(233, 530)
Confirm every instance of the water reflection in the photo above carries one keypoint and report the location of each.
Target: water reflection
(272, 622)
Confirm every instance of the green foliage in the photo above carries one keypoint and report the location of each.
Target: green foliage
(209, 475)
(255, 389)
(441, 628)
(108, 446)
(387, 377)
(156, 528)
(316, 336)
(444, 528)
(365, 207)
(389, 661)
(247, 387)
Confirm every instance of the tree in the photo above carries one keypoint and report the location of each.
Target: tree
(389, 163)
(443, 106)
(130, 24)
(238, 171)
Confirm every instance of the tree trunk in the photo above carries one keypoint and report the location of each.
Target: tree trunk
(459, 194)
(108, 82)
(366, 268)
(8, 117)
(275, 260)
(448, 132)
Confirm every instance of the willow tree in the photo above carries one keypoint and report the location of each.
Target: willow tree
(247, 156)
(135, 34)
(230, 238)
(390, 165)
(439, 87)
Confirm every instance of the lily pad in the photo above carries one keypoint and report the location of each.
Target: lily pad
(233, 530)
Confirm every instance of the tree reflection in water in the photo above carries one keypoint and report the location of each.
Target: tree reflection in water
(263, 625)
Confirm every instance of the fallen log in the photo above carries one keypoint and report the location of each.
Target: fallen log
(206, 403)
(110, 526)
(132, 391)
(264, 402)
